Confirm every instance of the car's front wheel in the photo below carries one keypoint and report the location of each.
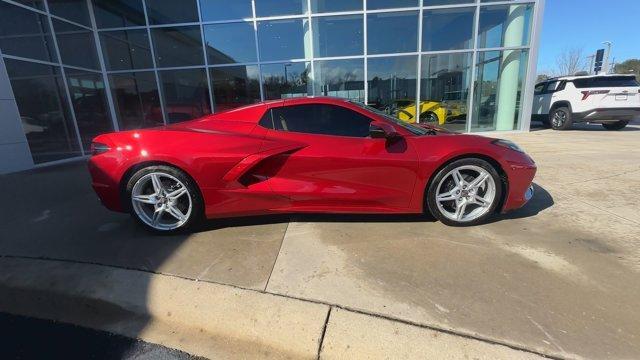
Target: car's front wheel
(164, 199)
(618, 125)
(465, 192)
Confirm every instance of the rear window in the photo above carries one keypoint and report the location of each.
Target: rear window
(605, 82)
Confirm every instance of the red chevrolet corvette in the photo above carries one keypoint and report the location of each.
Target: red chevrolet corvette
(317, 155)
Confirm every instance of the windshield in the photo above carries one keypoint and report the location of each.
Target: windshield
(415, 130)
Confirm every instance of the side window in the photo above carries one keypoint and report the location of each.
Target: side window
(538, 89)
(266, 121)
(321, 119)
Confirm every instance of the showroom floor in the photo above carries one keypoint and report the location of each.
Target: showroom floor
(560, 276)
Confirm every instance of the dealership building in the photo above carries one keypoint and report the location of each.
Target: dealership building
(73, 69)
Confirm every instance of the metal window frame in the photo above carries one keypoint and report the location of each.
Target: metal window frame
(311, 59)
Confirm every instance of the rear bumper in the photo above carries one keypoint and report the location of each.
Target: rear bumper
(607, 114)
(106, 187)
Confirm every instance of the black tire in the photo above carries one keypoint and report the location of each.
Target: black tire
(429, 118)
(431, 203)
(197, 203)
(564, 120)
(618, 125)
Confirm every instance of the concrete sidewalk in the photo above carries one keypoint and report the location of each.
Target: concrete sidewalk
(218, 321)
(560, 276)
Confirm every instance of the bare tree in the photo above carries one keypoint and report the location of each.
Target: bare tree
(569, 62)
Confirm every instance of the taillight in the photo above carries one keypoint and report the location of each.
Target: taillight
(586, 94)
(99, 148)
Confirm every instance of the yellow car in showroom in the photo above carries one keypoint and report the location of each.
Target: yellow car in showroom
(433, 112)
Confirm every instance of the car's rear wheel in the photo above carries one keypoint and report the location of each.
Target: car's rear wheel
(560, 118)
(164, 199)
(618, 125)
(465, 192)
(429, 118)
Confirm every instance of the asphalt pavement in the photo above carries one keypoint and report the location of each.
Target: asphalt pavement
(29, 338)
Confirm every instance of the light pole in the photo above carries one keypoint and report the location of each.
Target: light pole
(605, 66)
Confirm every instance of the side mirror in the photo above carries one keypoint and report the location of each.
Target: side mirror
(380, 130)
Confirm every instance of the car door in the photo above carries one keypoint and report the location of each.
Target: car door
(549, 95)
(339, 166)
(538, 95)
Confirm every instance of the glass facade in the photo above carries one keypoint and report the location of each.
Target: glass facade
(105, 65)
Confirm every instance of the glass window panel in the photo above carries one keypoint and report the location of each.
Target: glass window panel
(392, 85)
(338, 35)
(235, 86)
(125, 50)
(38, 4)
(230, 43)
(178, 46)
(172, 11)
(504, 25)
(392, 32)
(322, 6)
(77, 46)
(214, 10)
(280, 7)
(341, 78)
(386, 4)
(497, 98)
(444, 90)
(285, 80)
(89, 100)
(25, 33)
(74, 10)
(46, 121)
(136, 100)
(185, 93)
(447, 29)
(118, 13)
(283, 39)
(446, 2)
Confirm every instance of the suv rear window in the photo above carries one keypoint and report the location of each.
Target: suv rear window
(605, 82)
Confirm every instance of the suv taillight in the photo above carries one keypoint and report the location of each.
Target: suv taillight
(99, 148)
(586, 94)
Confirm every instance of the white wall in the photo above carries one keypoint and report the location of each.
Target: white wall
(14, 149)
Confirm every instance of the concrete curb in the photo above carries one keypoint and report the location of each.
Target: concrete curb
(204, 319)
(218, 321)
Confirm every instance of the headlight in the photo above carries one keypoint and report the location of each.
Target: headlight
(508, 144)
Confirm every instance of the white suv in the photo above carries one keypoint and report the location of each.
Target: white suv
(610, 100)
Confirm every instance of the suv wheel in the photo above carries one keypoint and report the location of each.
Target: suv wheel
(560, 118)
(618, 125)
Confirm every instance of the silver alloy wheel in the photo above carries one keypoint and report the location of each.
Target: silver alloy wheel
(466, 193)
(559, 118)
(161, 201)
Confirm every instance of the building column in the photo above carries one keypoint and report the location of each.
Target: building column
(510, 69)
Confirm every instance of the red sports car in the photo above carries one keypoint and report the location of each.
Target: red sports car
(312, 155)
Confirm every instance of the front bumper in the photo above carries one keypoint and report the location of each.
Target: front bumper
(520, 187)
(607, 114)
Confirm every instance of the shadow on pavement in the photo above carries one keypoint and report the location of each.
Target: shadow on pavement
(31, 338)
